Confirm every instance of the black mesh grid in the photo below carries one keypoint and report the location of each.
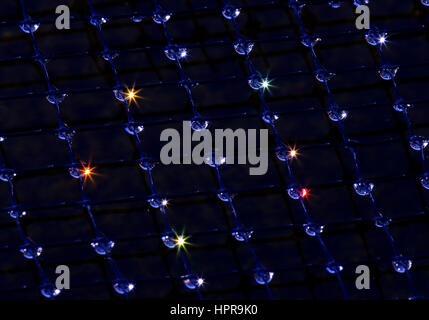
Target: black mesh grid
(212, 84)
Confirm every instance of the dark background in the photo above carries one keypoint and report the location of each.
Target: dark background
(55, 218)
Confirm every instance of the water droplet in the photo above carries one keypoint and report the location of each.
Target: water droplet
(155, 202)
(123, 286)
(102, 246)
(29, 27)
(55, 97)
(192, 282)
(263, 276)
(294, 192)
(173, 53)
(147, 164)
(313, 229)
(169, 240)
(284, 154)
(418, 143)
(372, 37)
(31, 251)
(310, 42)
(170, 53)
(49, 291)
(242, 235)
(269, 117)
(65, 133)
(230, 12)
(7, 175)
(358, 3)
(137, 19)
(243, 47)
(255, 82)
(400, 106)
(109, 55)
(225, 196)
(381, 221)
(97, 20)
(188, 83)
(337, 115)
(402, 265)
(363, 188)
(335, 4)
(16, 213)
(199, 125)
(323, 75)
(133, 128)
(387, 72)
(160, 16)
(424, 180)
(333, 268)
(120, 95)
(75, 172)
(216, 159)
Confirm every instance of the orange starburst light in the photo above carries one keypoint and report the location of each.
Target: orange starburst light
(132, 95)
(87, 172)
(293, 153)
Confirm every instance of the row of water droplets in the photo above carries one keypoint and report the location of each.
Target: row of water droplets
(29, 248)
(362, 186)
(377, 38)
(283, 152)
(169, 238)
(101, 245)
(177, 54)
